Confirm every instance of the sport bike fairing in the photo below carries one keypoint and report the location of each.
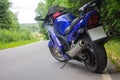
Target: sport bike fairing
(62, 22)
(83, 23)
(78, 38)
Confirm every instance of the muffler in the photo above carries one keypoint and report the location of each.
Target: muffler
(110, 34)
(77, 49)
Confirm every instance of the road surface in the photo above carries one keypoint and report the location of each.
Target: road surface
(34, 62)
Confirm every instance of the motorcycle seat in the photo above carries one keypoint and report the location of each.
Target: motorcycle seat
(69, 28)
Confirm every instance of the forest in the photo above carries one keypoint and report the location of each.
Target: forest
(11, 33)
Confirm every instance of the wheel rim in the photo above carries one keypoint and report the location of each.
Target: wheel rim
(90, 60)
(57, 54)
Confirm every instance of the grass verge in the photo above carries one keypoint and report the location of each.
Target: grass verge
(15, 44)
(113, 52)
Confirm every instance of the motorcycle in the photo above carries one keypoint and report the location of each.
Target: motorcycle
(78, 38)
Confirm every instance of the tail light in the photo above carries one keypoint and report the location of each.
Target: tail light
(93, 20)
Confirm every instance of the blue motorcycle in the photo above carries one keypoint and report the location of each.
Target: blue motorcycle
(78, 38)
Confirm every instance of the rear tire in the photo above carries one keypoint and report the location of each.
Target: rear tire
(97, 58)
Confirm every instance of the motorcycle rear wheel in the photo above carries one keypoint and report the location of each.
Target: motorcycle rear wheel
(96, 58)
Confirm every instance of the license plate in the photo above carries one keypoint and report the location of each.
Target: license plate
(97, 33)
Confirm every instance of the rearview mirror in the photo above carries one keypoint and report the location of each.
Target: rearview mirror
(38, 18)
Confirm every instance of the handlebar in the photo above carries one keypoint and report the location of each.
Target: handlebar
(96, 3)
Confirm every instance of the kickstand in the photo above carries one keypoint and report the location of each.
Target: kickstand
(64, 65)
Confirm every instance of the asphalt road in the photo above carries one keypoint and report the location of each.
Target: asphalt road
(34, 62)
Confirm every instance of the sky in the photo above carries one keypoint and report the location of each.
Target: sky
(25, 10)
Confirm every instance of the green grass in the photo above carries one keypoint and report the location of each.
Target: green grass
(113, 48)
(113, 52)
(15, 44)
(35, 37)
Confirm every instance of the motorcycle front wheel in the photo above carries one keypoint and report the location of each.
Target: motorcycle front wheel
(56, 54)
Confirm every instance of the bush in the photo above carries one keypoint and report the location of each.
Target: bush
(7, 36)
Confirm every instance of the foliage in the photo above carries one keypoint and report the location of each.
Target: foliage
(15, 44)
(43, 30)
(111, 15)
(7, 19)
(41, 11)
(32, 27)
(73, 5)
(9, 26)
(4, 5)
(112, 48)
(11, 34)
(7, 36)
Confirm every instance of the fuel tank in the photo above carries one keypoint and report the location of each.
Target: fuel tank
(62, 22)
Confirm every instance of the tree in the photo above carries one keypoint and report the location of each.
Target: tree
(7, 19)
(111, 15)
(41, 11)
(73, 5)
(4, 5)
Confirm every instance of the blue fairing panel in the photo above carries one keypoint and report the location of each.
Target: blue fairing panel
(62, 22)
(88, 15)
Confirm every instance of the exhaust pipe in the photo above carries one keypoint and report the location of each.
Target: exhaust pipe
(110, 34)
(77, 49)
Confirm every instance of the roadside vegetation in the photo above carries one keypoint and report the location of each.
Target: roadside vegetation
(12, 33)
(15, 44)
(113, 52)
(13, 38)
(110, 13)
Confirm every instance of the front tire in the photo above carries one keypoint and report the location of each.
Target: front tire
(57, 55)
